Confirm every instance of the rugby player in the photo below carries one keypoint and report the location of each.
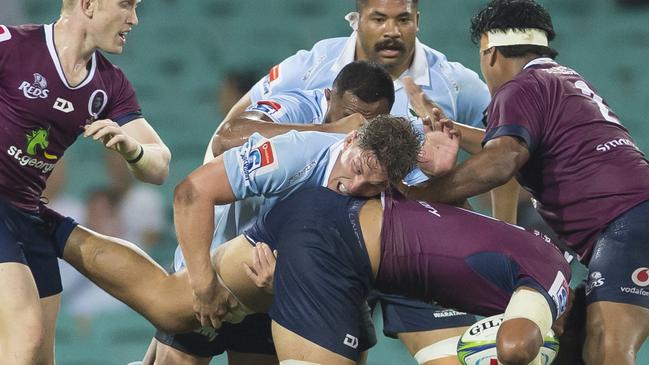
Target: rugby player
(550, 127)
(361, 89)
(54, 86)
(385, 31)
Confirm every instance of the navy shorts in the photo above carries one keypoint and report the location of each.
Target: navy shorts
(250, 336)
(322, 279)
(618, 270)
(35, 240)
(401, 314)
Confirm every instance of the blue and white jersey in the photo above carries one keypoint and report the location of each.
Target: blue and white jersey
(458, 90)
(293, 106)
(263, 171)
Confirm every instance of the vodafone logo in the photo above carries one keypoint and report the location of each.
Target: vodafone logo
(640, 276)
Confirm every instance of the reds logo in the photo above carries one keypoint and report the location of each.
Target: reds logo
(640, 276)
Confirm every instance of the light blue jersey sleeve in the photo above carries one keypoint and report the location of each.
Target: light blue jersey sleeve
(305, 70)
(294, 107)
(473, 96)
(263, 166)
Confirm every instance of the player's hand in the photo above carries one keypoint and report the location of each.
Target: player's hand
(423, 106)
(111, 135)
(439, 152)
(347, 124)
(212, 302)
(262, 270)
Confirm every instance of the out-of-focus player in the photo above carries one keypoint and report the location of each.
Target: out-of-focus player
(54, 86)
(549, 126)
(385, 31)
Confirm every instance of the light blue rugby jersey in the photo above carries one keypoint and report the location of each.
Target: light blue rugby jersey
(293, 106)
(458, 90)
(263, 171)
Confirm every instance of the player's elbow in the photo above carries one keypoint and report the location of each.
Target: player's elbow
(219, 145)
(186, 193)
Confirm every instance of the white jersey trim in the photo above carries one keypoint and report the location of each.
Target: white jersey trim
(49, 39)
(334, 152)
(5, 35)
(540, 61)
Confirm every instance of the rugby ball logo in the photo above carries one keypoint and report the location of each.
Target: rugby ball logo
(477, 346)
(640, 276)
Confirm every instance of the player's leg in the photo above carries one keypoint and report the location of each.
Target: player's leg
(22, 332)
(614, 333)
(617, 298)
(437, 347)
(124, 271)
(167, 355)
(293, 348)
(50, 307)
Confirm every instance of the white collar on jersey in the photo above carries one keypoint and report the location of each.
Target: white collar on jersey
(419, 70)
(334, 152)
(539, 61)
(49, 39)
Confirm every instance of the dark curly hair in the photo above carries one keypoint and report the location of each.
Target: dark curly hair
(367, 80)
(514, 14)
(395, 143)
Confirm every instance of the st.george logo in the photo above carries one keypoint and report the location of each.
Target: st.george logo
(38, 140)
(35, 90)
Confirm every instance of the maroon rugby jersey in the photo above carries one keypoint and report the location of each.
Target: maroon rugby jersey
(462, 259)
(584, 169)
(41, 114)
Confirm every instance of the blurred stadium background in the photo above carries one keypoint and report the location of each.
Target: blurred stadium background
(177, 58)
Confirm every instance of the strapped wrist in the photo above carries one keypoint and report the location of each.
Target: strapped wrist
(138, 157)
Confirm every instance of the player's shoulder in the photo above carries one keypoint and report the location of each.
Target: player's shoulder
(326, 46)
(17, 34)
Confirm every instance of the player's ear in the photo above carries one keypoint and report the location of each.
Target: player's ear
(88, 7)
(493, 56)
(350, 138)
(327, 92)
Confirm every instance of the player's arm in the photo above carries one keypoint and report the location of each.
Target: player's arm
(496, 164)
(425, 107)
(504, 201)
(234, 132)
(138, 143)
(194, 201)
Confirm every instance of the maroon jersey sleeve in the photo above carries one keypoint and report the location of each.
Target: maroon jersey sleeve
(124, 106)
(6, 45)
(515, 111)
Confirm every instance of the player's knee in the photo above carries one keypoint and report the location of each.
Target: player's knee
(515, 347)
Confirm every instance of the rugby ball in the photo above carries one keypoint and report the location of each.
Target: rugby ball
(477, 346)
